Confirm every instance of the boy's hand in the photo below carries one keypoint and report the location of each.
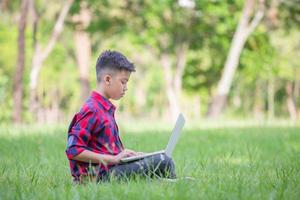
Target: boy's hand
(125, 153)
(140, 153)
(136, 153)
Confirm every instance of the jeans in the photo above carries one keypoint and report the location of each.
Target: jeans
(156, 166)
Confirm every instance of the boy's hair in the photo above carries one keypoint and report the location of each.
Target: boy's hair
(112, 61)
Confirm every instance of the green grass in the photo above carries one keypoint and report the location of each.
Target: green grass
(227, 163)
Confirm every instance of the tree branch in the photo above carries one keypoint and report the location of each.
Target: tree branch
(257, 18)
(58, 27)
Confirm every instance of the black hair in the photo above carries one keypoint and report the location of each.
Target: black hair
(112, 60)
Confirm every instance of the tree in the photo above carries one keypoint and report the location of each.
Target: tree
(245, 27)
(164, 29)
(4, 4)
(167, 29)
(291, 105)
(83, 46)
(19, 72)
(284, 15)
(40, 54)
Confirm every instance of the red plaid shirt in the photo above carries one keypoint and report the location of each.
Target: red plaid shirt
(93, 128)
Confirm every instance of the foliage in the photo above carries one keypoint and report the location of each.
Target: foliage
(143, 30)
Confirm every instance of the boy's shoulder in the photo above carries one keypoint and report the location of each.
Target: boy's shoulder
(89, 106)
(92, 106)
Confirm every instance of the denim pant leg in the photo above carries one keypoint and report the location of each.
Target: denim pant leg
(158, 165)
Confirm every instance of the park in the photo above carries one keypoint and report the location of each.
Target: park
(230, 67)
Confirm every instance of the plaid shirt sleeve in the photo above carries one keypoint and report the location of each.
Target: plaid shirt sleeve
(80, 131)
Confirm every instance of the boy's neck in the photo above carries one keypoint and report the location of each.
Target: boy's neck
(101, 91)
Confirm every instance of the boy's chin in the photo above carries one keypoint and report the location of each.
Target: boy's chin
(117, 98)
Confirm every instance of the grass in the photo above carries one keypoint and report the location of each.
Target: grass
(227, 163)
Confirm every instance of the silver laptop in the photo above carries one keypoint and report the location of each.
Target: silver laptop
(170, 146)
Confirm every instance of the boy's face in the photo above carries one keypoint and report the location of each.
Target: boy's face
(117, 85)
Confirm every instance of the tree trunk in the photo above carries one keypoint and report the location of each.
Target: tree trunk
(258, 105)
(297, 89)
(297, 94)
(271, 94)
(4, 4)
(83, 56)
(174, 82)
(41, 54)
(291, 106)
(171, 94)
(19, 73)
(34, 74)
(243, 31)
(180, 65)
(83, 48)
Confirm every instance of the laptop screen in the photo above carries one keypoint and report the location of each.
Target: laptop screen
(175, 135)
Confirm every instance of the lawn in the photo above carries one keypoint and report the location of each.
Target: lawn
(227, 163)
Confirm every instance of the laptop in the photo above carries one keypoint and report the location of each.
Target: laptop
(170, 146)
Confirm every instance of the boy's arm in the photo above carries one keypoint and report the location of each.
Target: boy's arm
(79, 135)
(89, 156)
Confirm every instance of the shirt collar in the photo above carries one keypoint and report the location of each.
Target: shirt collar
(103, 101)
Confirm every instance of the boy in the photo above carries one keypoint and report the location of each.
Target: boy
(94, 147)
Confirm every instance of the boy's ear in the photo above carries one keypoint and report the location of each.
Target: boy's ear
(107, 79)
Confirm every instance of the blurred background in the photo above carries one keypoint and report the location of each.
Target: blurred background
(210, 59)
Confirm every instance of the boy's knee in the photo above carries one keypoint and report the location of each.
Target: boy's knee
(167, 166)
(166, 160)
